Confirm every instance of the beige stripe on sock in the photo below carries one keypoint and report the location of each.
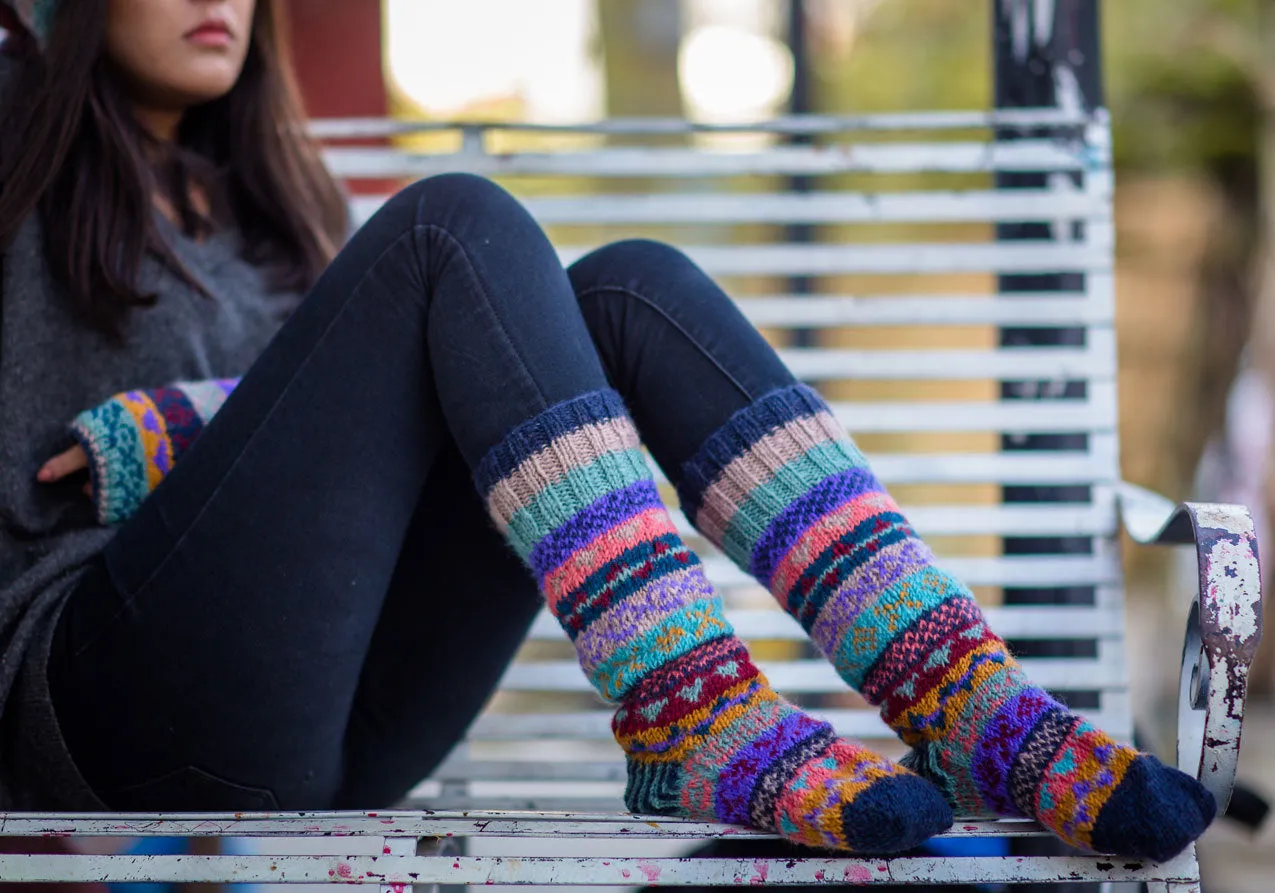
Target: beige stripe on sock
(758, 466)
(550, 465)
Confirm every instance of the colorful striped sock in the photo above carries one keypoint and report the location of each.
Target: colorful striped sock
(788, 496)
(705, 736)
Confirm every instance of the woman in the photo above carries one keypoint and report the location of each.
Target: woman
(286, 527)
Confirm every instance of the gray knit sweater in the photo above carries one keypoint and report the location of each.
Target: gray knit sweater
(52, 367)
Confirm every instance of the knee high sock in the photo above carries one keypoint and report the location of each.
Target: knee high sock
(787, 495)
(704, 735)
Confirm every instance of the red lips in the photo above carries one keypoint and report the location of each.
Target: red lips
(210, 33)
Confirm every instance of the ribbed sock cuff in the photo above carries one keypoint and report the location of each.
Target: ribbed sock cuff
(561, 478)
(539, 432)
(746, 427)
(783, 458)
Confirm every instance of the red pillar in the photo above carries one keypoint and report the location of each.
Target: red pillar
(336, 45)
(336, 48)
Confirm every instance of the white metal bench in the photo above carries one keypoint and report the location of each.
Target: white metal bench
(906, 345)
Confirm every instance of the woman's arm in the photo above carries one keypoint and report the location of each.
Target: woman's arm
(133, 439)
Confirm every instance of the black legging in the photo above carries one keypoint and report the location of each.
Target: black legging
(311, 609)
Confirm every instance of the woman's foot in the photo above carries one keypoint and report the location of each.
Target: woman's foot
(787, 495)
(992, 741)
(707, 738)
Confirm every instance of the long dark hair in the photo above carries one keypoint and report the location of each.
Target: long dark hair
(73, 150)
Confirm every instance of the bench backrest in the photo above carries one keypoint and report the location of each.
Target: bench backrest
(867, 249)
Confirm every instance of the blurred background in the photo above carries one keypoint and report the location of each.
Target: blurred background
(1191, 89)
(1190, 85)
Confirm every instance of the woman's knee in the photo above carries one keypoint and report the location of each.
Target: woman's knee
(654, 272)
(424, 224)
(624, 261)
(453, 198)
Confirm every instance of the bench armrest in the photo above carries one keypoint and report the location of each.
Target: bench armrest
(1223, 627)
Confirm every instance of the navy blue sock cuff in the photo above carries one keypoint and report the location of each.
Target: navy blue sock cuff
(739, 434)
(537, 432)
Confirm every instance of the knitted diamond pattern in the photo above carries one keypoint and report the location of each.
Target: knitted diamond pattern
(790, 499)
(705, 736)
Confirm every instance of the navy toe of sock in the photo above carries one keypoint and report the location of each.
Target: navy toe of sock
(1154, 814)
(895, 815)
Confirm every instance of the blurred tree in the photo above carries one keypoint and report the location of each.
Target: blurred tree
(639, 44)
(871, 55)
(1197, 94)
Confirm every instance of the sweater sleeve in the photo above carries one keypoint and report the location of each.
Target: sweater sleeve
(134, 439)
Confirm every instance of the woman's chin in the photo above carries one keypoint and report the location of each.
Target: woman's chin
(206, 81)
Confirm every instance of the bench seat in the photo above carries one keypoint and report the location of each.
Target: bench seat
(869, 249)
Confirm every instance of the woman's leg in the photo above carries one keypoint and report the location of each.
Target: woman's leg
(458, 608)
(765, 472)
(213, 660)
(221, 646)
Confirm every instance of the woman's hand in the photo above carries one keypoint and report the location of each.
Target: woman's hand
(63, 464)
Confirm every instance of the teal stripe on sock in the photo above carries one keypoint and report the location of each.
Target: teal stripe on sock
(674, 635)
(579, 488)
(793, 480)
(894, 610)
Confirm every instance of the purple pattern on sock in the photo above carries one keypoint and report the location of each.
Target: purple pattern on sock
(1000, 742)
(865, 585)
(736, 782)
(628, 619)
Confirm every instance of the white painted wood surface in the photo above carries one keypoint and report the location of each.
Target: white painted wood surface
(892, 158)
(397, 868)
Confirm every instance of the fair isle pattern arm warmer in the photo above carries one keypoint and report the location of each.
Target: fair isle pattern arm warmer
(786, 494)
(134, 438)
(704, 734)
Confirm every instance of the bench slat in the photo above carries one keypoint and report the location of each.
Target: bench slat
(1022, 309)
(336, 826)
(1093, 360)
(831, 259)
(355, 162)
(1097, 412)
(396, 871)
(956, 119)
(1057, 519)
(823, 207)
(816, 207)
(1098, 464)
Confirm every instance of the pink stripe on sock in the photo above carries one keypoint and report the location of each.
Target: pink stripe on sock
(548, 466)
(823, 533)
(603, 549)
(731, 489)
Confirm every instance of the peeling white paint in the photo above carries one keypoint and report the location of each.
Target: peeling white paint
(395, 871)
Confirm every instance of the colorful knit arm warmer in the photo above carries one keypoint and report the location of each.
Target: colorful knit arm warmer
(134, 438)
